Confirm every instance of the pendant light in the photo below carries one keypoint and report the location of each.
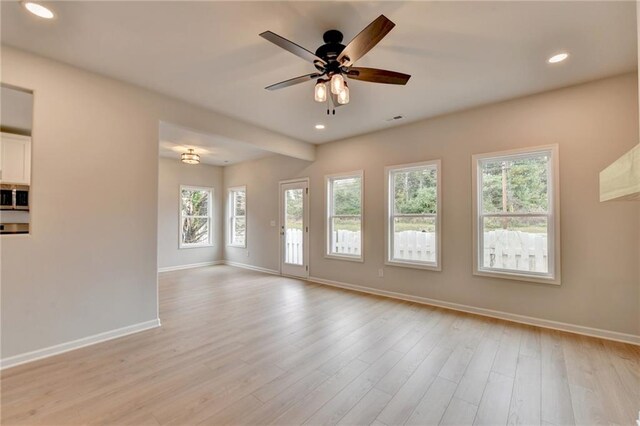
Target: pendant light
(190, 157)
(320, 93)
(337, 84)
(343, 96)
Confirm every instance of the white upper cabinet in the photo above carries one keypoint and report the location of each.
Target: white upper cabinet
(15, 159)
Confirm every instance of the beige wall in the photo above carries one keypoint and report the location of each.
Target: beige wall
(261, 178)
(593, 124)
(638, 29)
(171, 174)
(90, 265)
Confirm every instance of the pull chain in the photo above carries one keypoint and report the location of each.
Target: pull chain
(329, 101)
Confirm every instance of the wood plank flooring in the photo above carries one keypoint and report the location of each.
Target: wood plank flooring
(240, 347)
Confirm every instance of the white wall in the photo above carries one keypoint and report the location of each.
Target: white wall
(593, 124)
(90, 264)
(171, 174)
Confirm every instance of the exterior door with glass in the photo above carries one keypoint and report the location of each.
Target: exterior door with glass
(294, 229)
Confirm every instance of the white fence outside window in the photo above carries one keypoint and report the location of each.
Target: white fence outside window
(517, 250)
(524, 251)
(294, 246)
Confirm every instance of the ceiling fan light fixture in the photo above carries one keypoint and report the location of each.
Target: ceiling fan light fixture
(333, 61)
(320, 92)
(337, 84)
(343, 96)
(190, 157)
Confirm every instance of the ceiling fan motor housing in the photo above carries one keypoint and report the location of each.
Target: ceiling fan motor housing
(330, 51)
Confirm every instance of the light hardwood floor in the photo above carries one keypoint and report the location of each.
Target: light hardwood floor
(240, 347)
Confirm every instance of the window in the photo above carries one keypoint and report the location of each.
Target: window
(344, 216)
(195, 216)
(413, 215)
(516, 224)
(238, 216)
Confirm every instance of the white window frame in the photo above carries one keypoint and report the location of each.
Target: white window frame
(329, 179)
(390, 208)
(232, 216)
(553, 215)
(209, 242)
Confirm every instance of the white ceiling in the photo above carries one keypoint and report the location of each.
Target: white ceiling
(460, 54)
(214, 150)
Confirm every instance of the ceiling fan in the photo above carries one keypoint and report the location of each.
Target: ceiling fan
(334, 61)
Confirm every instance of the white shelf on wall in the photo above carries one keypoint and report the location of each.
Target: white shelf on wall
(621, 180)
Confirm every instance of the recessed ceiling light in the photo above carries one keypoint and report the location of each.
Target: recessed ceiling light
(558, 58)
(38, 10)
(319, 126)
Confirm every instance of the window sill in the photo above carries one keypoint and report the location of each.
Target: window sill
(358, 259)
(414, 265)
(518, 277)
(194, 246)
(237, 246)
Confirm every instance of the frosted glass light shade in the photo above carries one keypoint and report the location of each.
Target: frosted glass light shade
(337, 84)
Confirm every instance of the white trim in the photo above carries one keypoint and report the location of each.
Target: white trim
(427, 266)
(209, 217)
(252, 268)
(437, 266)
(328, 207)
(190, 266)
(16, 135)
(553, 214)
(195, 246)
(294, 180)
(522, 319)
(347, 257)
(38, 354)
(230, 215)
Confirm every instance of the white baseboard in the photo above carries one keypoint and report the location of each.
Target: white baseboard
(523, 319)
(251, 267)
(16, 360)
(190, 265)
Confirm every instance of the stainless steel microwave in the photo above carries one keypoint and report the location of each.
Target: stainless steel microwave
(14, 197)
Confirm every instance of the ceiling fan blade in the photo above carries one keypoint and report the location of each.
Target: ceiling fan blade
(291, 47)
(292, 81)
(366, 40)
(376, 75)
